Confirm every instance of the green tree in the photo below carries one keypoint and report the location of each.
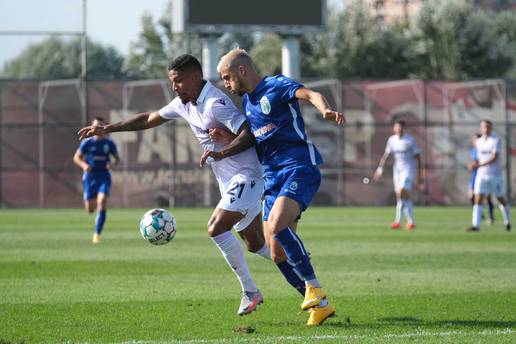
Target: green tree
(457, 41)
(156, 46)
(55, 58)
(266, 54)
(365, 48)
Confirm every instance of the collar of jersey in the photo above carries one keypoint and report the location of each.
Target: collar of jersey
(258, 88)
(204, 92)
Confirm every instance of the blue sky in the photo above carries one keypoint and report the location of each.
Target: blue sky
(111, 22)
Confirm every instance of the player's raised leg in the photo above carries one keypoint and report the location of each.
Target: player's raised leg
(286, 267)
(253, 237)
(219, 229)
(90, 205)
(280, 222)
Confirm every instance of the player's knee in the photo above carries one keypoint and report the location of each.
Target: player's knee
(215, 228)
(90, 207)
(273, 225)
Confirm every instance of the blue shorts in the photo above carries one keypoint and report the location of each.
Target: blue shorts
(298, 182)
(95, 184)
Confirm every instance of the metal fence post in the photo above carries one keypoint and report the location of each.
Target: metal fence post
(425, 142)
(508, 132)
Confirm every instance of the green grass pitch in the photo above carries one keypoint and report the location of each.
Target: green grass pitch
(437, 284)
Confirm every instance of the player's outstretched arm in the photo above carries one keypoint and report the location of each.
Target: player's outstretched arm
(320, 102)
(139, 121)
(243, 140)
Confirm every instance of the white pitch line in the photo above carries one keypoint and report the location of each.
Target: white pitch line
(270, 339)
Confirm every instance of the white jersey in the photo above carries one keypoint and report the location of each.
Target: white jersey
(486, 148)
(404, 149)
(215, 109)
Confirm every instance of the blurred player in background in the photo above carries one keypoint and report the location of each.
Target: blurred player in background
(406, 155)
(94, 158)
(240, 177)
(290, 162)
(489, 178)
(471, 192)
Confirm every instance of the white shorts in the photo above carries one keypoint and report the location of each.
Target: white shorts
(402, 181)
(489, 184)
(244, 195)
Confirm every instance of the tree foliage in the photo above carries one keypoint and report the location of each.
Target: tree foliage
(458, 41)
(151, 54)
(55, 58)
(448, 40)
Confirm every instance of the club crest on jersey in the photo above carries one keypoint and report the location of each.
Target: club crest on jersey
(293, 186)
(265, 105)
(106, 148)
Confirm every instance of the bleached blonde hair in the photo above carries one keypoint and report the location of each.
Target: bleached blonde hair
(235, 57)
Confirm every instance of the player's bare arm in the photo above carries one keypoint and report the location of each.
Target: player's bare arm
(490, 161)
(139, 121)
(243, 140)
(221, 135)
(379, 171)
(79, 161)
(115, 162)
(320, 102)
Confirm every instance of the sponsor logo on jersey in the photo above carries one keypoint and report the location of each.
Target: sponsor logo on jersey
(265, 105)
(264, 130)
(220, 101)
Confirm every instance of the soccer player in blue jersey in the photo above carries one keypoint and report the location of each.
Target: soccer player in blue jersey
(290, 162)
(94, 158)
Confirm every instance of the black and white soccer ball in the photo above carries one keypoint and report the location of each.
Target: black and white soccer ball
(158, 226)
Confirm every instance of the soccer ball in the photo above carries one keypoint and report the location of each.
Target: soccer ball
(158, 226)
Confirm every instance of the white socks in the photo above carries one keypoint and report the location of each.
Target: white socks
(505, 213)
(232, 252)
(399, 211)
(408, 210)
(264, 252)
(477, 215)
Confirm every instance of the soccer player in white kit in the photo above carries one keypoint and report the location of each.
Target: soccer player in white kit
(240, 176)
(489, 178)
(406, 155)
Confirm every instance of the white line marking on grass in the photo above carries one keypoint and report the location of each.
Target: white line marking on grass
(271, 339)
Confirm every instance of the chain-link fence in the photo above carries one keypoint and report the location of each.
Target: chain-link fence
(39, 121)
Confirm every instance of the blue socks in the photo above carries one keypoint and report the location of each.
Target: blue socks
(99, 221)
(292, 277)
(296, 253)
